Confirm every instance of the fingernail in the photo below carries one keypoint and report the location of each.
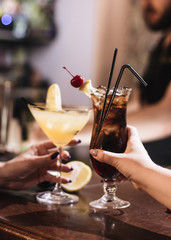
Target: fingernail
(54, 155)
(71, 169)
(69, 156)
(70, 181)
(93, 152)
(79, 141)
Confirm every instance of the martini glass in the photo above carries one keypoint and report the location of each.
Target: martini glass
(60, 126)
(113, 138)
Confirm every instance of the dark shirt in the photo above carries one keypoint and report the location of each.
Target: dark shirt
(157, 75)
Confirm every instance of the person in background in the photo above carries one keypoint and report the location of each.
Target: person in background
(136, 165)
(150, 108)
(31, 167)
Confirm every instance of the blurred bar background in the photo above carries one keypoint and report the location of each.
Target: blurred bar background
(38, 38)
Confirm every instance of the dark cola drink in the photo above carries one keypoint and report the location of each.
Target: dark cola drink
(113, 135)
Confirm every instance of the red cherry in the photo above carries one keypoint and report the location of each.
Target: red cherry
(76, 81)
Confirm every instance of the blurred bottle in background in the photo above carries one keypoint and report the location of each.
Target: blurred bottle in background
(6, 111)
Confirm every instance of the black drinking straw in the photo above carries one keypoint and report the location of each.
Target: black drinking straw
(109, 82)
(27, 101)
(114, 94)
(117, 84)
(106, 95)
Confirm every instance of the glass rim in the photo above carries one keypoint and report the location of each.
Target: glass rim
(66, 108)
(120, 91)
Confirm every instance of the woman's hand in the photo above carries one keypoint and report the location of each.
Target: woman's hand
(31, 167)
(129, 163)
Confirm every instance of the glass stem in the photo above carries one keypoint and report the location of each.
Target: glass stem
(57, 188)
(109, 188)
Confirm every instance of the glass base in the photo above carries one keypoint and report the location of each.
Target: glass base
(61, 198)
(115, 203)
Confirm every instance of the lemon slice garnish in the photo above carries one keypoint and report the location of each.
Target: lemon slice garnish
(80, 176)
(86, 87)
(53, 98)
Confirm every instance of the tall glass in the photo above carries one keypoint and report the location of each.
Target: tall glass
(113, 138)
(60, 126)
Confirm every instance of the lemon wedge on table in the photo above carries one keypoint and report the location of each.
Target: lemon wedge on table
(80, 176)
(86, 87)
(53, 98)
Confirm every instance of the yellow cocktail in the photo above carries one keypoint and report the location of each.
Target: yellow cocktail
(60, 126)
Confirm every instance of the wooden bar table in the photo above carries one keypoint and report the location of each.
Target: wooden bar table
(21, 217)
